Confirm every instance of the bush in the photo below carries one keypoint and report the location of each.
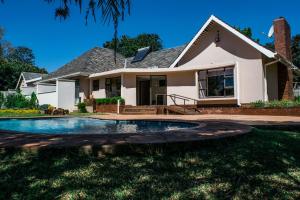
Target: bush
(276, 104)
(13, 111)
(44, 107)
(17, 101)
(297, 99)
(33, 102)
(82, 107)
(113, 100)
(258, 104)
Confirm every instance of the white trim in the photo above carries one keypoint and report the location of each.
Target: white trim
(160, 70)
(33, 80)
(237, 84)
(21, 75)
(66, 76)
(260, 48)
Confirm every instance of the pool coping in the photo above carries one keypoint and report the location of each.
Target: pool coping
(207, 130)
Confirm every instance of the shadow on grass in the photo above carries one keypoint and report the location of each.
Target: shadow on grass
(263, 164)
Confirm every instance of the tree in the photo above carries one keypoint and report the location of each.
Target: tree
(10, 72)
(247, 32)
(128, 46)
(21, 54)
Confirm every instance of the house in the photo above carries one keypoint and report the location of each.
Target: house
(219, 66)
(27, 82)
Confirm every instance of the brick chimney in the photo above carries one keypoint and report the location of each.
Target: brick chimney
(282, 38)
(282, 42)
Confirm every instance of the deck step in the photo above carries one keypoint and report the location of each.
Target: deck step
(139, 110)
(181, 110)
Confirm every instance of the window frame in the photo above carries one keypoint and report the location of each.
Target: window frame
(204, 91)
(93, 85)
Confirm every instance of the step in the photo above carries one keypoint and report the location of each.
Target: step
(139, 110)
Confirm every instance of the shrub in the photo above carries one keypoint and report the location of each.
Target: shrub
(13, 111)
(17, 101)
(258, 104)
(82, 107)
(113, 100)
(275, 104)
(297, 99)
(33, 102)
(44, 107)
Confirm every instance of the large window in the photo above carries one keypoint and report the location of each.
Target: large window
(113, 87)
(216, 82)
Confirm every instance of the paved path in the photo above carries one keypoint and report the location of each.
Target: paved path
(243, 119)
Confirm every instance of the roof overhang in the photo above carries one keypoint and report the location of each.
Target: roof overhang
(72, 75)
(159, 70)
(252, 43)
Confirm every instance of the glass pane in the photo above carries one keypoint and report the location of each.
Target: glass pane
(202, 84)
(229, 92)
(216, 86)
(202, 74)
(202, 94)
(229, 82)
(229, 71)
(158, 89)
(216, 72)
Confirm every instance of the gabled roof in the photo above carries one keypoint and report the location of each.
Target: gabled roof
(214, 19)
(93, 61)
(157, 59)
(29, 76)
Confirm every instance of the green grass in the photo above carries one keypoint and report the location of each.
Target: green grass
(261, 165)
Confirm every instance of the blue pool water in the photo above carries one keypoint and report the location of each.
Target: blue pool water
(89, 126)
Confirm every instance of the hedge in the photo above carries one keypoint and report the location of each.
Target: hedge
(113, 100)
(13, 111)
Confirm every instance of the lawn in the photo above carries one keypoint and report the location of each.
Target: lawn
(262, 165)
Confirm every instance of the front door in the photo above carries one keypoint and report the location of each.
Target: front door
(143, 92)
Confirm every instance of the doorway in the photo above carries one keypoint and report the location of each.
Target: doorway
(151, 90)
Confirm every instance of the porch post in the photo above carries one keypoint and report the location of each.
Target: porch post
(122, 86)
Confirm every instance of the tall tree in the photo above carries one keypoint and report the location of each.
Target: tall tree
(247, 32)
(21, 54)
(11, 70)
(128, 46)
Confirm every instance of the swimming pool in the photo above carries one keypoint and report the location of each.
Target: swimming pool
(90, 126)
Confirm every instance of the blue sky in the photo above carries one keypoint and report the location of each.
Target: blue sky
(31, 23)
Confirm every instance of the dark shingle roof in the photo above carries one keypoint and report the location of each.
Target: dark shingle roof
(99, 60)
(93, 61)
(161, 59)
(30, 75)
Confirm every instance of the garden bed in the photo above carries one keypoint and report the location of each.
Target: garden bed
(295, 111)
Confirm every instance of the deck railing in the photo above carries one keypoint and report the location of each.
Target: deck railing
(175, 97)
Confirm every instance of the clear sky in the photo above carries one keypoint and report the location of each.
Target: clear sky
(31, 23)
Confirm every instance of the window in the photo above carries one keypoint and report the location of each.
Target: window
(95, 85)
(113, 87)
(216, 82)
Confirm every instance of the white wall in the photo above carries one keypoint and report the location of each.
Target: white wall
(27, 91)
(182, 83)
(206, 53)
(129, 89)
(66, 94)
(101, 92)
(48, 98)
(46, 94)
